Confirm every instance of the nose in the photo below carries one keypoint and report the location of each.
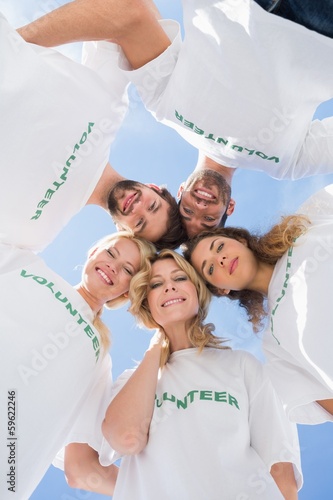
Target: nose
(170, 287)
(201, 203)
(113, 268)
(221, 260)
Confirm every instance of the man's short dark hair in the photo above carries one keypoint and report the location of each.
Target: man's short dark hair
(175, 234)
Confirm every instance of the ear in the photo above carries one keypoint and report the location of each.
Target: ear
(125, 295)
(221, 292)
(154, 186)
(231, 206)
(180, 190)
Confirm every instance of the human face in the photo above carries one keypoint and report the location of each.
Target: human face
(140, 208)
(172, 297)
(205, 198)
(108, 271)
(225, 263)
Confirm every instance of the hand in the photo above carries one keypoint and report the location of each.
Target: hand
(158, 339)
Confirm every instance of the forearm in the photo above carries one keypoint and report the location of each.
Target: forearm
(130, 23)
(83, 470)
(283, 475)
(128, 417)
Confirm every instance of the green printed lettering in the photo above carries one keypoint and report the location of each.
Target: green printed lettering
(50, 286)
(90, 126)
(182, 404)
(89, 331)
(37, 215)
(81, 320)
(206, 395)
(178, 116)
(49, 193)
(58, 184)
(261, 155)
(224, 141)
(95, 343)
(210, 136)
(83, 138)
(232, 401)
(76, 147)
(158, 403)
(251, 151)
(59, 297)
(63, 176)
(275, 158)
(72, 311)
(97, 354)
(167, 398)
(220, 396)
(25, 275)
(70, 160)
(42, 203)
(191, 395)
(40, 280)
(188, 124)
(198, 131)
(239, 148)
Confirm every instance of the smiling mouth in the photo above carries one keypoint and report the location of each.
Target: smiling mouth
(104, 276)
(171, 302)
(233, 265)
(128, 202)
(202, 194)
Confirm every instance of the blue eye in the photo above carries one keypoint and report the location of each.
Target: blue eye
(210, 270)
(181, 278)
(219, 248)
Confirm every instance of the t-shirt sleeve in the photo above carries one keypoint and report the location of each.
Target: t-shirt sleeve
(87, 427)
(267, 417)
(319, 205)
(152, 79)
(103, 57)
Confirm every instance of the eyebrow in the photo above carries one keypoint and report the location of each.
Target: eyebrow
(205, 261)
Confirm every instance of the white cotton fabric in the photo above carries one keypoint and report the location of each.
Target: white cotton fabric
(298, 345)
(243, 87)
(51, 356)
(220, 441)
(59, 119)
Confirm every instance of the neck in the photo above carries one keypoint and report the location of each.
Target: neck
(178, 338)
(207, 163)
(94, 303)
(262, 278)
(106, 182)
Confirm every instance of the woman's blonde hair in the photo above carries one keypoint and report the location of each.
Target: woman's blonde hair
(268, 248)
(200, 335)
(146, 250)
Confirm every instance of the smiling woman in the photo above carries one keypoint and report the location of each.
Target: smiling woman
(54, 346)
(287, 266)
(192, 397)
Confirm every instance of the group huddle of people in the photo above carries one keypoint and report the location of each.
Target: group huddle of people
(194, 419)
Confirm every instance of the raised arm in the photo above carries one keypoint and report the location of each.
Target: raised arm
(283, 475)
(133, 24)
(127, 420)
(83, 470)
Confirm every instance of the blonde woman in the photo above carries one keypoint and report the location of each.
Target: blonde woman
(289, 267)
(54, 355)
(195, 419)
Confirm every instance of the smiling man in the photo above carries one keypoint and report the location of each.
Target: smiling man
(147, 209)
(205, 197)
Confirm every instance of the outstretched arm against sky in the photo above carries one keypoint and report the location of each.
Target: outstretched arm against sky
(133, 24)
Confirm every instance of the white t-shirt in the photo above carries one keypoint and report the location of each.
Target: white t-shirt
(58, 120)
(216, 430)
(298, 345)
(243, 87)
(51, 364)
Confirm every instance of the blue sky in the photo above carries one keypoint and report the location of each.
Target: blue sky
(150, 152)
